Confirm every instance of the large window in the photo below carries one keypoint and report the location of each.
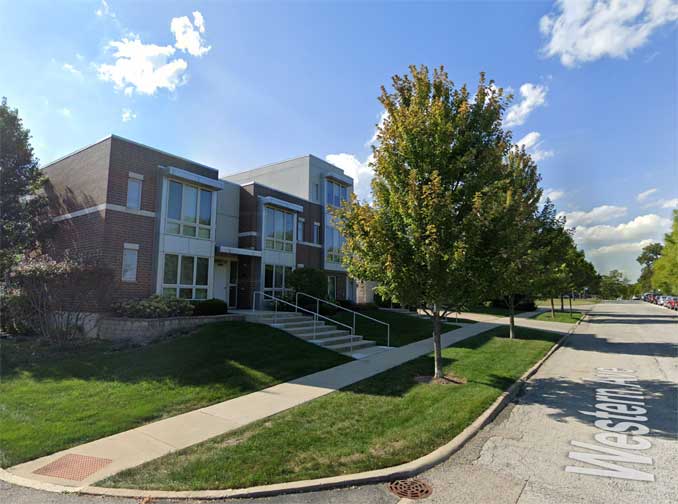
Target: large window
(300, 229)
(189, 210)
(275, 277)
(336, 193)
(316, 232)
(278, 229)
(333, 241)
(185, 276)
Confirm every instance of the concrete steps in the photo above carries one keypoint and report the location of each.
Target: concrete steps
(321, 332)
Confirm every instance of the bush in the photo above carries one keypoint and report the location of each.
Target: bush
(210, 307)
(154, 307)
(308, 280)
(13, 309)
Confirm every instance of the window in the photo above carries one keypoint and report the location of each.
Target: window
(129, 262)
(332, 287)
(333, 241)
(185, 276)
(275, 277)
(336, 193)
(189, 211)
(278, 229)
(134, 183)
(316, 232)
(300, 229)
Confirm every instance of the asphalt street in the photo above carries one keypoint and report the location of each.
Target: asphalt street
(598, 423)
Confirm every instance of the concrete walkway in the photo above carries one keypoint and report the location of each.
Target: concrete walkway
(85, 464)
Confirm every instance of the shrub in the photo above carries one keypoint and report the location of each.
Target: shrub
(308, 280)
(57, 293)
(13, 309)
(210, 307)
(154, 307)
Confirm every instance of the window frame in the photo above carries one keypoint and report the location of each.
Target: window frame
(183, 224)
(274, 288)
(334, 243)
(275, 239)
(127, 250)
(316, 233)
(134, 179)
(301, 224)
(180, 285)
(335, 193)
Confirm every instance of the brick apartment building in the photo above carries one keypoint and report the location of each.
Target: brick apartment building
(168, 225)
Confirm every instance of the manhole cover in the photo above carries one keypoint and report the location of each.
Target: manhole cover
(73, 467)
(410, 489)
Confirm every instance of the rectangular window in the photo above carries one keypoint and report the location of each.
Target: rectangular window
(300, 229)
(129, 262)
(336, 193)
(189, 211)
(279, 229)
(275, 279)
(134, 193)
(332, 287)
(333, 241)
(316, 233)
(185, 276)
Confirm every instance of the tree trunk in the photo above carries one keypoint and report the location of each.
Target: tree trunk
(553, 309)
(512, 324)
(562, 303)
(570, 304)
(437, 350)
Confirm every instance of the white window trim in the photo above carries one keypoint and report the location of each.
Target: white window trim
(134, 175)
(178, 286)
(132, 247)
(140, 182)
(195, 224)
(283, 241)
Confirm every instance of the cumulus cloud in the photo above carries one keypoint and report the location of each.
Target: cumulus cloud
(634, 247)
(382, 118)
(645, 194)
(552, 194)
(360, 171)
(672, 203)
(603, 213)
(533, 96)
(189, 34)
(533, 145)
(143, 68)
(127, 115)
(71, 69)
(642, 227)
(580, 31)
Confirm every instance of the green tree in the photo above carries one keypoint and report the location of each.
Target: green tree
(613, 285)
(647, 258)
(439, 150)
(665, 268)
(23, 206)
(508, 212)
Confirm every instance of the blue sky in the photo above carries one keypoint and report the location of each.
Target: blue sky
(236, 85)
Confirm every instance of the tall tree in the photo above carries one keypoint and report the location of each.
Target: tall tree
(438, 149)
(508, 212)
(647, 258)
(613, 285)
(23, 207)
(665, 268)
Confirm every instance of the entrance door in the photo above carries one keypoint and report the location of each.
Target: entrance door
(220, 290)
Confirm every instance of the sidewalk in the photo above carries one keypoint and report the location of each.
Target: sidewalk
(85, 464)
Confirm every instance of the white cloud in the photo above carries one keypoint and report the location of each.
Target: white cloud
(552, 194)
(361, 172)
(533, 96)
(382, 118)
(672, 203)
(188, 35)
(66, 112)
(143, 68)
(71, 69)
(104, 10)
(532, 143)
(127, 115)
(635, 247)
(598, 214)
(645, 194)
(586, 30)
(642, 227)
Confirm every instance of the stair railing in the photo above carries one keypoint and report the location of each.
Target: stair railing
(355, 313)
(316, 316)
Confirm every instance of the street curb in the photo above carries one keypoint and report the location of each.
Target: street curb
(402, 471)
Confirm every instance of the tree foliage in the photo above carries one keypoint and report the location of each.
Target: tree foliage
(665, 267)
(613, 285)
(23, 206)
(439, 150)
(647, 258)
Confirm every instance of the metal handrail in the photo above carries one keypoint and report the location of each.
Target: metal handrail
(297, 307)
(318, 300)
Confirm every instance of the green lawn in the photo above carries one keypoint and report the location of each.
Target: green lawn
(53, 400)
(493, 310)
(565, 316)
(546, 303)
(385, 420)
(404, 328)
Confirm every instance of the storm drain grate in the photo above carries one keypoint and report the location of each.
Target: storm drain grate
(410, 489)
(73, 467)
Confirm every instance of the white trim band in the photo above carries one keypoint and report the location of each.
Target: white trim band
(99, 208)
(194, 177)
(238, 251)
(270, 200)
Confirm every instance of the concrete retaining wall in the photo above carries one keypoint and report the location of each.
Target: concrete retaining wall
(143, 330)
